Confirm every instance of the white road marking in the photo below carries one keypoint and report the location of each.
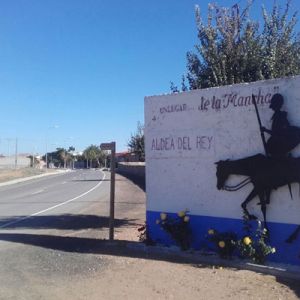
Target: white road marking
(37, 192)
(55, 206)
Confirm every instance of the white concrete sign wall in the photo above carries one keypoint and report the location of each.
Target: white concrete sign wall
(186, 133)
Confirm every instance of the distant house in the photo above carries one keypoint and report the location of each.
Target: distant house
(126, 157)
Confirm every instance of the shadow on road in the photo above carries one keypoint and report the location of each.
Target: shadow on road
(137, 180)
(83, 245)
(293, 284)
(115, 248)
(63, 222)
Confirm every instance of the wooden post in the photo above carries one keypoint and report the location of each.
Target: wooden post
(112, 147)
(112, 192)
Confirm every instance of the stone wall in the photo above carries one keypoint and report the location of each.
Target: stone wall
(8, 162)
(134, 171)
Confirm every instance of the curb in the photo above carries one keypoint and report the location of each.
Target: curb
(196, 257)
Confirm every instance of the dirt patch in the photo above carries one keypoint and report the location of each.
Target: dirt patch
(150, 278)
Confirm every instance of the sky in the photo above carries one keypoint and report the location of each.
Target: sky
(75, 72)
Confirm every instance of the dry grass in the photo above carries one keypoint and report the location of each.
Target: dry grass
(10, 174)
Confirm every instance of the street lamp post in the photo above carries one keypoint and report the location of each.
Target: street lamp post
(46, 155)
(51, 127)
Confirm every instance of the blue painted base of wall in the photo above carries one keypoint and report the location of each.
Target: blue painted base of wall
(287, 253)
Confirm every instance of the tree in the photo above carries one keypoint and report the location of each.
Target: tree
(94, 154)
(136, 143)
(232, 49)
(61, 154)
(60, 157)
(64, 155)
(281, 51)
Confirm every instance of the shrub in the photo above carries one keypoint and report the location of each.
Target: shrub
(255, 246)
(177, 227)
(224, 242)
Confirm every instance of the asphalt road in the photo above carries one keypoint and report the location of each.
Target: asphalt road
(55, 194)
(50, 233)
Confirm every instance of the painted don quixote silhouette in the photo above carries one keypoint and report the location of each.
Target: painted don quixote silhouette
(268, 171)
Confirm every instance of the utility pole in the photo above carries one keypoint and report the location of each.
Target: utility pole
(46, 156)
(16, 154)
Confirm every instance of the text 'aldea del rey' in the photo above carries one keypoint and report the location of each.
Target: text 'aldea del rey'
(185, 143)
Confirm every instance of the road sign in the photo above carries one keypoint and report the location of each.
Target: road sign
(107, 146)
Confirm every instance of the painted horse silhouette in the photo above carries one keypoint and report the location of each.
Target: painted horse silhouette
(265, 173)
